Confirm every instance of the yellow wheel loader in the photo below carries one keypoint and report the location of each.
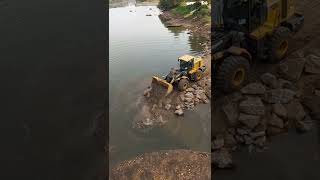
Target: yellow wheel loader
(246, 30)
(190, 69)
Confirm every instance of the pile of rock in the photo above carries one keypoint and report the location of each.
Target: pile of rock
(267, 108)
(198, 93)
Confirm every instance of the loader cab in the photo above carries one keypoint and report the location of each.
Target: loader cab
(186, 62)
(244, 15)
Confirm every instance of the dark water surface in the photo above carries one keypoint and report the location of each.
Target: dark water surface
(140, 47)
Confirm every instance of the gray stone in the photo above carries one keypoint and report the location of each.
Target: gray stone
(279, 96)
(302, 126)
(232, 131)
(253, 106)
(239, 139)
(292, 69)
(271, 131)
(270, 80)
(218, 143)
(276, 121)
(295, 111)
(190, 89)
(232, 113)
(255, 135)
(178, 107)
(312, 64)
(188, 99)
(182, 97)
(167, 106)
(260, 141)
(280, 110)
(179, 112)
(229, 140)
(189, 95)
(254, 88)
(194, 86)
(243, 131)
(285, 84)
(247, 139)
(249, 120)
(221, 158)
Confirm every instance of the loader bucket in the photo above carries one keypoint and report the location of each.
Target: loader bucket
(160, 87)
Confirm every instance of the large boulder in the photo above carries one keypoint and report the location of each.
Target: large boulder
(312, 64)
(231, 111)
(254, 89)
(270, 80)
(280, 110)
(295, 111)
(250, 121)
(279, 96)
(292, 69)
(253, 106)
(276, 121)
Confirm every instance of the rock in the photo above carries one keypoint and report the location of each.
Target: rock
(247, 139)
(252, 106)
(296, 111)
(270, 80)
(179, 112)
(182, 97)
(280, 110)
(292, 69)
(147, 122)
(317, 92)
(168, 101)
(249, 120)
(251, 148)
(232, 113)
(239, 139)
(199, 91)
(283, 96)
(154, 106)
(255, 135)
(196, 100)
(232, 131)
(260, 141)
(312, 64)
(276, 121)
(236, 96)
(194, 86)
(187, 99)
(168, 106)
(218, 143)
(178, 107)
(229, 140)
(302, 126)
(243, 131)
(189, 95)
(190, 89)
(148, 15)
(254, 88)
(222, 158)
(271, 131)
(206, 101)
(286, 84)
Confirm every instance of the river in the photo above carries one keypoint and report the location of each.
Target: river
(141, 46)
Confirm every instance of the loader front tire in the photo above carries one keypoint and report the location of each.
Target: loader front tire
(279, 44)
(183, 84)
(232, 74)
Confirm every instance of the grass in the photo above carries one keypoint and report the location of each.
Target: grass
(194, 10)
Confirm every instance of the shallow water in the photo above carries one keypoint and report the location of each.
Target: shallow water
(141, 46)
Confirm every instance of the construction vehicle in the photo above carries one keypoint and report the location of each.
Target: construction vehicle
(246, 30)
(191, 68)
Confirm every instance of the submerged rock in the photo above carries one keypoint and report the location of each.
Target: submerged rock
(222, 159)
(179, 112)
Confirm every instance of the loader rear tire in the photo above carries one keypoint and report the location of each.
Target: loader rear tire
(183, 84)
(232, 74)
(279, 44)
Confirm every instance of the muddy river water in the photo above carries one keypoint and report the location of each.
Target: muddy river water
(141, 46)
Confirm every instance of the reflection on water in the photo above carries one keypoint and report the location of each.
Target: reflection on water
(141, 46)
